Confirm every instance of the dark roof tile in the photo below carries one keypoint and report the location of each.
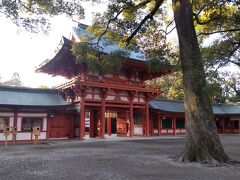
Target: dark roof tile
(178, 107)
(12, 96)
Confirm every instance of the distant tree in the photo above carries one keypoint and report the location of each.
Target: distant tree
(43, 87)
(15, 81)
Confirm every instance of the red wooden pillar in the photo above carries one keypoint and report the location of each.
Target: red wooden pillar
(174, 125)
(102, 116)
(143, 123)
(48, 124)
(131, 120)
(102, 120)
(223, 124)
(147, 119)
(150, 125)
(15, 119)
(159, 124)
(82, 119)
(92, 125)
(109, 126)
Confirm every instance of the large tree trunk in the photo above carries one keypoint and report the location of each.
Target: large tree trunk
(203, 143)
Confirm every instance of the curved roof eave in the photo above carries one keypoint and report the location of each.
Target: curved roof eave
(64, 42)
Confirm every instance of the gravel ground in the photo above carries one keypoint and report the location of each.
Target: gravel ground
(143, 158)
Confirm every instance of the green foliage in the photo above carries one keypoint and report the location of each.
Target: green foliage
(221, 17)
(43, 87)
(33, 15)
(96, 60)
(171, 86)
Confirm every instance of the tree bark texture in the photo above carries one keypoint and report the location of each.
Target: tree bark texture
(203, 143)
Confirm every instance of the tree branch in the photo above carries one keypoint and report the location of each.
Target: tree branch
(109, 21)
(220, 31)
(149, 16)
(116, 16)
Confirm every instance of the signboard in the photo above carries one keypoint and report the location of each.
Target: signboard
(87, 122)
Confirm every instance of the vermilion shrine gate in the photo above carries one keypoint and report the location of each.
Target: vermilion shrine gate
(115, 103)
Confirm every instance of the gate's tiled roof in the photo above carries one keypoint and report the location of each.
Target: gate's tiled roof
(178, 106)
(105, 43)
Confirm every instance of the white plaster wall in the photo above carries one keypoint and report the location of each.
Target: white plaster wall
(6, 114)
(155, 131)
(135, 100)
(97, 97)
(19, 123)
(124, 99)
(170, 131)
(2, 137)
(89, 96)
(137, 130)
(24, 135)
(44, 124)
(11, 121)
(141, 100)
(43, 135)
(110, 98)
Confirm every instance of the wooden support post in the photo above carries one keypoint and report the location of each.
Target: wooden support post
(48, 125)
(159, 124)
(109, 126)
(82, 119)
(174, 125)
(15, 119)
(131, 119)
(143, 123)
(147, 119)
(102, 116)
(102, 120)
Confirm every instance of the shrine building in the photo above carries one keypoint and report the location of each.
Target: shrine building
(115, 103)
(99, 105)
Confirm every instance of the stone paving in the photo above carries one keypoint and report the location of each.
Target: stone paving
(111, 158)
